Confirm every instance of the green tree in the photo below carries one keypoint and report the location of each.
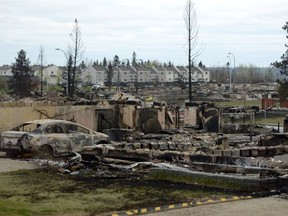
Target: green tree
(283, 67)
(67, 77)
(3, 86)
(283, 64)
(104, 62)
(134, 59)
(116, 60)
(21, 81)
(82, 65)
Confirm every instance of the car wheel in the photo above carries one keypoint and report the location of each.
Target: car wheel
(45, 151)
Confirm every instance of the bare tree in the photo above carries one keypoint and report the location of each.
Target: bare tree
(194, 50)
(77, 51)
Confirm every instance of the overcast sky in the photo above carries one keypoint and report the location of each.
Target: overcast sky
(154, 29)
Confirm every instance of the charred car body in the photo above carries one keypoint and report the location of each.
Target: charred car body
(50, 137)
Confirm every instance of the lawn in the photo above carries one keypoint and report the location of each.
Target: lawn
(239, 103)
(46, 192)
(260, 118)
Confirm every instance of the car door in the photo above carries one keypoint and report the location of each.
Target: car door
(58, 138)
(79, 137)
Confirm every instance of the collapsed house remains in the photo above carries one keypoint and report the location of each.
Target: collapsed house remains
(201, 142)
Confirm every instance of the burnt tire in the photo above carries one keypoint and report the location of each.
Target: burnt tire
(12, 154)
(45, 152)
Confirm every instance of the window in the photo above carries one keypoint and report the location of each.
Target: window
(26, 127)
(72, 128)
(76, 129)
(53, 129)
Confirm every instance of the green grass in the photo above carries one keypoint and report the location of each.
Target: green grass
(259, 119)
(240, 103)
(270, 120)
(43, 192)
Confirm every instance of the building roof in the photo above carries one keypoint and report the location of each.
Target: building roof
(5, 67)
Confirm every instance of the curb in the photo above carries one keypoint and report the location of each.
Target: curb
(180, 205)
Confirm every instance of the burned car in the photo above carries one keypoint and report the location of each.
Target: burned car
(49, 137)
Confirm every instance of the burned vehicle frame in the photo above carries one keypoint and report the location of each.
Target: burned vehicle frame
(49, 137)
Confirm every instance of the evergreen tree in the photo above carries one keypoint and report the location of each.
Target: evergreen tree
(67, 76)
(82, 65)
(109, 73)
(104, 62)
(134, 59)
(21, 81)
(283, 66)
(116, 60)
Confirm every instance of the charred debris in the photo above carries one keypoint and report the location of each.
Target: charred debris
(198, 143)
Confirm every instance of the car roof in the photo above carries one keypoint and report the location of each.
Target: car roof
(43, 121)
(53, 121)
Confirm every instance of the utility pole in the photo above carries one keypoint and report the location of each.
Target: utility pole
(233, 69)
(41, 69)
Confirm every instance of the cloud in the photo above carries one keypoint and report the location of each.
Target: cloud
(153, 29)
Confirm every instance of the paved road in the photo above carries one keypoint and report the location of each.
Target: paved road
(7, 164)
(269, 206)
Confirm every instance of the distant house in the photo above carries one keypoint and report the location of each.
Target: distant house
(101, 74)
(51, 74)
(197, 74)
(88, 75)
(6, 70)
(182, 74)
(123, 74)
(161, 72)
(172, 74)
(200, 75)
(144, 74)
